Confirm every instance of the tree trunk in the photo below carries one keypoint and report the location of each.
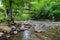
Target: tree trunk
(6, 12)
(11, 18)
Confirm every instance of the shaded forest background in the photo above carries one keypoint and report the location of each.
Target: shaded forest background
(30, 9)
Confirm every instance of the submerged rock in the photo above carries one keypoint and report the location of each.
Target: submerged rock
(1, 33)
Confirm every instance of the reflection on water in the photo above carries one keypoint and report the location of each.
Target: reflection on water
(19, 36)
(26, 35)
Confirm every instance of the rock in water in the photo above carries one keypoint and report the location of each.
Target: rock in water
(1, 33)
(15, 32)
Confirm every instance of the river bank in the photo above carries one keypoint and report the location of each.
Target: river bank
(30, 33)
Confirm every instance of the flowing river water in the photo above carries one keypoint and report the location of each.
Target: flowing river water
(26, 34)
(23, 35)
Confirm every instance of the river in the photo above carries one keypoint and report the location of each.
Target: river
(23, 35)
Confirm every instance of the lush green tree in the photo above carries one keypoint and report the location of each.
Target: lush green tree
(45, 9)
(13, 5)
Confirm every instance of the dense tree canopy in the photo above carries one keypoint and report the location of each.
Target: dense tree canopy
(45, 9)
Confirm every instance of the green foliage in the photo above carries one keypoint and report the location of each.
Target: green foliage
(25, 16)
(22, 16)
(2, 16)
(6, 4)
(44, 9)
(1, 7)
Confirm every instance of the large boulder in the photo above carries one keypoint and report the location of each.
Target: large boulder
(5, 29)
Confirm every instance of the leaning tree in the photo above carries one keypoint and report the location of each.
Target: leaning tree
(11, 5)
